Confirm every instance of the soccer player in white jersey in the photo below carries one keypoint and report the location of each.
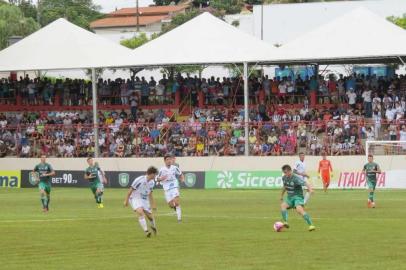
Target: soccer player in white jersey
(300, 170)
(168, 176)
(140, 198)
(102, 175)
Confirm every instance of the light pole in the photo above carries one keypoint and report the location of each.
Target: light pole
(138, 17)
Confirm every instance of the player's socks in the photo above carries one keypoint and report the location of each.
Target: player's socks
(307, 218)
(43, 201)
(48, 201)
(152, 222)
(371, 196)
(284, 216)
(143, 223)
(179, 213)
(306, 197)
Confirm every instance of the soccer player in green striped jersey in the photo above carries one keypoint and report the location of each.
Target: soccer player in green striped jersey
(371, 169)
(96, 186)
(44, 171)
(293, 186)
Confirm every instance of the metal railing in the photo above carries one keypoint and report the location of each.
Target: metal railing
(335, 137)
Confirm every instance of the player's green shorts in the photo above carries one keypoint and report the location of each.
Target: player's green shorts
(371, 184)
(95, 186)
(294, 201)
(45, 186)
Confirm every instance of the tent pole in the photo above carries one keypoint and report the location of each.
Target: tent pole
(95, 117)
(246, 108)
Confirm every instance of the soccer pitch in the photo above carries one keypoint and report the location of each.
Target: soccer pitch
(222, 229)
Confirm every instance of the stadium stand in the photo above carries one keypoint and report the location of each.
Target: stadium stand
(198, 117)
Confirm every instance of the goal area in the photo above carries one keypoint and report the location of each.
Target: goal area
(385, 148)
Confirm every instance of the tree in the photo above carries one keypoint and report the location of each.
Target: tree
(79, 12)
(13, 23)
(228, 6)
(399, 21)
(135, 42)
(27, 7)
(166, 2)
(178, 20)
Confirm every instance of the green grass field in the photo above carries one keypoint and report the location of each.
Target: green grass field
(222, 229)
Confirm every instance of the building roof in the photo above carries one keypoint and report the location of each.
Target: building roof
(148, 11)
(126, 17)
(360, 36)
(283, 23)
(126, 21)
(204, 39)
(62, 45)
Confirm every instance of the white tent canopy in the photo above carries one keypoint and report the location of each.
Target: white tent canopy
(203, 40)
(359, 36)
(62, 45)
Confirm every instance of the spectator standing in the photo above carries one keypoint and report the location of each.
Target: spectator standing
(367, 98)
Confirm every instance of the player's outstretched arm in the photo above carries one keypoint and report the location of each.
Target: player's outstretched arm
(51, 173)
(88, 176)
(309, 187)
(127, 197)
(182, 178)
(283, 193)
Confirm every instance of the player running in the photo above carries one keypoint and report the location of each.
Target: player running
(43, 172)
(168, 176)
(102, 175)
(92, 175)
(371, 169)
(140, 198)
(293, 186)
(300, 170)
(325, 171)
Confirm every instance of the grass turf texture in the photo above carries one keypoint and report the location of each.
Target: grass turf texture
(222, 229)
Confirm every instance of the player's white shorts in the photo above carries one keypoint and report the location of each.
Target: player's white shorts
(140, 203)
(171, 194)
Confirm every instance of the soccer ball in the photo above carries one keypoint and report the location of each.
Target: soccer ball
(278, 226)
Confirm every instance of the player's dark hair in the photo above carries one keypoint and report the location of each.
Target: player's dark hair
(286, 168)
(152, 170)
(89, 158)
(301, 153)
(167, 156)
(370, 155)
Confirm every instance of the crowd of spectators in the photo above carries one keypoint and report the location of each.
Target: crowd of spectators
(376, 110)
(336, 131)
(354, 89)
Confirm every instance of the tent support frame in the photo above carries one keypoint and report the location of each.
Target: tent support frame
(246, 112)
(95, 116)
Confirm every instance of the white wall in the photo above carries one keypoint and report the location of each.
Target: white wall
(213, 163)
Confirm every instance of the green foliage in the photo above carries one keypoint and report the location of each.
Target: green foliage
(166, 2)
(253, 2)
(135, 42)
(27, 7)
(79, 12)
(399, 21)
(227, 6)
(179, 19)
(235, 23)
(13, 23)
